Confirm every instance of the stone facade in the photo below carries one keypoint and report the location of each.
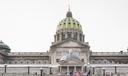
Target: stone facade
(69, 53)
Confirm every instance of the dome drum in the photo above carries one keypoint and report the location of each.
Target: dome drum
(75, 35)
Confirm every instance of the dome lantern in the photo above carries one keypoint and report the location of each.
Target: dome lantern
(69, 14)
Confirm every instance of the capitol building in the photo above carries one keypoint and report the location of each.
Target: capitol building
(69, 55)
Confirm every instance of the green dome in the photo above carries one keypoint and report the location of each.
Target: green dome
(69, 23)
(4, 46)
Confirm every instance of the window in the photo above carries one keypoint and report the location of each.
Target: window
(75, 36)
(69, 34)
(63, 36)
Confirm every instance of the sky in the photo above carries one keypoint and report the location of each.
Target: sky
(30, 25)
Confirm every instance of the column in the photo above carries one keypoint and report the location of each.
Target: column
(82, 68)
(66, 35)
(72, 35)
(60, 36)
(78, 37)
(74, 68)
(60, 68)
(67, 70)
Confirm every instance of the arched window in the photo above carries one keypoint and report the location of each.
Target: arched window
(75, 36)
(69, 34)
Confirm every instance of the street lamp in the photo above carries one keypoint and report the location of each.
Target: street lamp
(41, 71)
(5, 68)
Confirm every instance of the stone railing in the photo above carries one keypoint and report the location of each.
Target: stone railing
(109, 54)
(111, 74)
(24, 74)
(17, 74)
(28, 54)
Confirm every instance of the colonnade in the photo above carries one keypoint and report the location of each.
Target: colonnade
(81, 69)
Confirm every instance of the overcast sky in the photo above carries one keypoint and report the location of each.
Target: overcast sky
(30, 25)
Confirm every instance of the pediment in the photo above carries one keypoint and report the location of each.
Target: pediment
(71, 62)
(70, 44)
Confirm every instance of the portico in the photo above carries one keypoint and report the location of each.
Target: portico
(66, 69)
(71, 64)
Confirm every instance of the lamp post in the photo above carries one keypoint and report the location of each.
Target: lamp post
(5, 68)
(41, 71)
